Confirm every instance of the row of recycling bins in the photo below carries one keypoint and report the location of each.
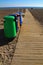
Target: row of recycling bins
(12, 23)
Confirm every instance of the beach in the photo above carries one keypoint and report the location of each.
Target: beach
(27, 47)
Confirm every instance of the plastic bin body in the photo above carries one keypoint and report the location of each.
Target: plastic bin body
(20, 20)
(9, 27)
(16, 21)
(19, 14)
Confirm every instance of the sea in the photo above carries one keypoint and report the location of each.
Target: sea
(1, 8)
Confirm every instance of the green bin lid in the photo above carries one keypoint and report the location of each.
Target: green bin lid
(9, 17)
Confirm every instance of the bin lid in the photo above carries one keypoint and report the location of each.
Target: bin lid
(9, 17)
(20, 13)
(13, 15)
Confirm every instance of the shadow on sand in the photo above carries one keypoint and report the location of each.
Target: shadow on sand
(3, 39)
(38, 15)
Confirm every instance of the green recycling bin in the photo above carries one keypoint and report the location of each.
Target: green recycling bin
(9, 26)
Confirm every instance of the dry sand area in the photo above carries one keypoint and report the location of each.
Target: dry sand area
(28, 50)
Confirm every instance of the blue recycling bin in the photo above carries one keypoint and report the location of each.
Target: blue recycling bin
(16, 19)
(20, 15)
(20, 20)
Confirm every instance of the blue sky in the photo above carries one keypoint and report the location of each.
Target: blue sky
(17, 3)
